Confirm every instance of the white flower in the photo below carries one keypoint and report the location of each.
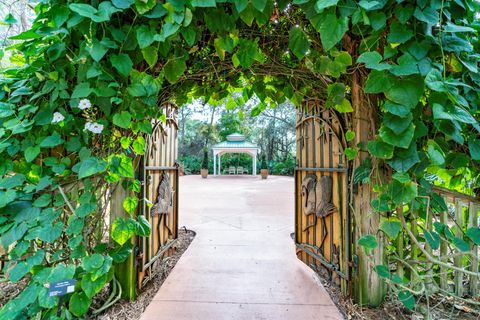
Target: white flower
(57, 117)
(94, 127)
(84, 104)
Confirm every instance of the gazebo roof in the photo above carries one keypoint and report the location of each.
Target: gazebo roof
(235, 141)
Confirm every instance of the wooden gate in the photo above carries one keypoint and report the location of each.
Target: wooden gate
(159, 175)
(322, 220)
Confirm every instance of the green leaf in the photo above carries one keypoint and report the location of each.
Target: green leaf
(402, 193)
(351, 153)
(143, 6)
(122, 230)
(474, 234)
(85, 10)
(19, 271)
(6, 109)
(332, 30)
(372, 60)
(150, 55)
(401, 177)
(397, 124)
(97, 50)
(93, 262)
(139, 145)
(435, 153)
(399, 33)
(344, 106)
(406, 91)
(259, 4)
(92, 287)
(298, 42)
(121, 165)
(10, 19)
(391, 228)
(51, 141)
(396, 109)
(31, 153)
(122, 119)
(85, 209)
(407, 299)
(89, 167)
(81, 90)
(143, 228)
(433, 239)
(368, 242)
(323, 4)
(204, 3)
(145, 36)
(79, 304)
(174, 69)
(122, 4)
(349, 135)
(378, 82)
(461, 244)
(130, 204)
(380, 149)
(372, 4)
(382, 271)
(405, 159)
(452, 113)
(401, 140)
(434, 80)
(122, 63)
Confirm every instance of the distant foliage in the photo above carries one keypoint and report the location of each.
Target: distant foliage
(87, 79)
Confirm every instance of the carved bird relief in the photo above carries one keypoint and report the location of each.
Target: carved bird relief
(164, 196)
(317, 195)
(317, 200)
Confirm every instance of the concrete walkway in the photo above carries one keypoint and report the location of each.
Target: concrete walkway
(242, 263)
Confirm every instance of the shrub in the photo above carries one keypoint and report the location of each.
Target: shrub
(205, 159)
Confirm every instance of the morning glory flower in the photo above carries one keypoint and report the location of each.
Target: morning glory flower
(84, 104)
(57, 117)
(94, 127)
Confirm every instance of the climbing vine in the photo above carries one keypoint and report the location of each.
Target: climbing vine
(89, 77)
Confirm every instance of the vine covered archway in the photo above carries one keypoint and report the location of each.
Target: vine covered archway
(89, 77)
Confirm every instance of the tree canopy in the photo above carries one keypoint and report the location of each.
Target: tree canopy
(89, 77)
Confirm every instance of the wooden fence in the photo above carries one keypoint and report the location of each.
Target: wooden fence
(444, 264)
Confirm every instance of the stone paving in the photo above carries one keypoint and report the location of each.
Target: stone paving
(242, 263)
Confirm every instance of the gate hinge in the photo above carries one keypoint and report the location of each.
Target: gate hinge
(355, 263)
(138, 256)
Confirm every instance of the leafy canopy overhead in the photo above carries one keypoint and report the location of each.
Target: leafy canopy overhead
(89, 77)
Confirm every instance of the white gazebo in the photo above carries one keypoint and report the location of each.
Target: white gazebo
(235, 143)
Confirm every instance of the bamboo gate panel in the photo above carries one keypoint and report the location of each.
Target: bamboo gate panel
(159, 173)
(322, 220)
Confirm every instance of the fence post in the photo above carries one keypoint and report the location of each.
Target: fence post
(443, 252)
(125, 272)
(457, 260)
(473, 222)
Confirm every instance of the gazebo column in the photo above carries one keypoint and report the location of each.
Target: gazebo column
(254, 164)
(219, 164)
(214, 163)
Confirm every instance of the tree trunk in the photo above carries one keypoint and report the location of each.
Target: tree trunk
(369, 288)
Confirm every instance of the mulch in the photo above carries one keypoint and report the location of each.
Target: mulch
(132, 310)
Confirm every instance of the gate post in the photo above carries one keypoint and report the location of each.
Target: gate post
(125, 272)
(369, 288)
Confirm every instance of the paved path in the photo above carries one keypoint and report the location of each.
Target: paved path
(242, 263)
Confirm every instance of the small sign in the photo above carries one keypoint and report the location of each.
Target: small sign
(61, 288)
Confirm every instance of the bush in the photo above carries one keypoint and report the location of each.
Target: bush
(284, 168)
(205, 159)
(263, 163)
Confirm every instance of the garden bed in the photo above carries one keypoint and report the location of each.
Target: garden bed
(441, 307)
(131, 310)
